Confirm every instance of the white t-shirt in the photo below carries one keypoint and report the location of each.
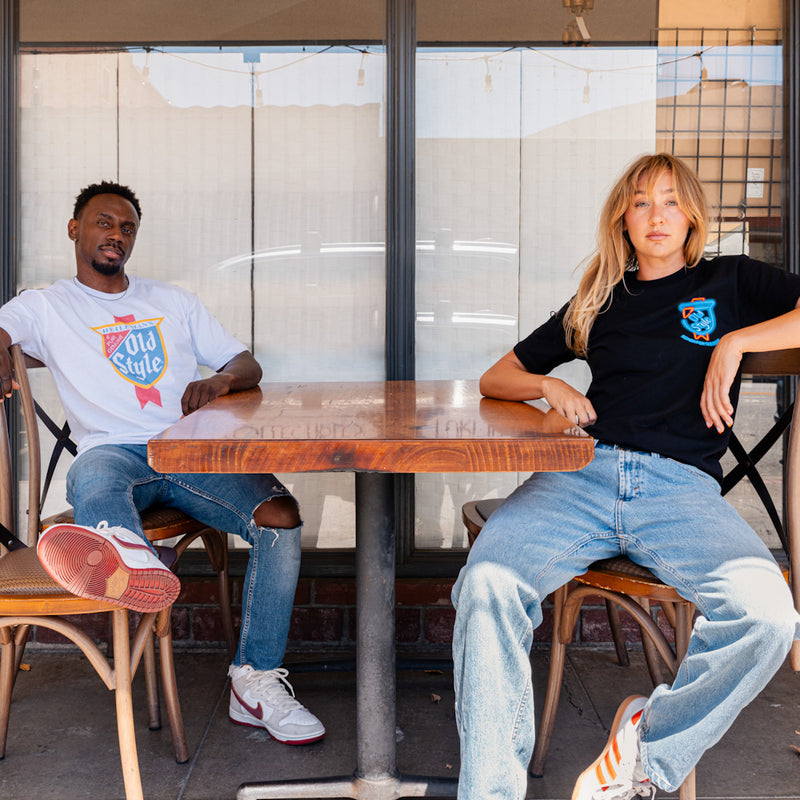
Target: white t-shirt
(121, 362)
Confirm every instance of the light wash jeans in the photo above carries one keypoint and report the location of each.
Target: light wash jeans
(114, 482)
(663, 515)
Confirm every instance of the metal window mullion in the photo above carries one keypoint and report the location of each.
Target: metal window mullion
(9, 183)
(747, 134)
(401, 36)
(400, 200)
(9, 131)
(773, 156)
(791, 137)
(790, 167)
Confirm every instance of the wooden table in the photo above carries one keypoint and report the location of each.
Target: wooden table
(374, 429)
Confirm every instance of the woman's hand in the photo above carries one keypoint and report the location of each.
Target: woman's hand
(715, 402)
(508, 379)
(568, 402)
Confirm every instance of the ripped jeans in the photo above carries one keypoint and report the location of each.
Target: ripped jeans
(114, 482)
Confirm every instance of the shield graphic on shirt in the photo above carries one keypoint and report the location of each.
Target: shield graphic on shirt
(697, 317)
(136, 351)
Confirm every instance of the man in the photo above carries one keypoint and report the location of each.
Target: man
(124, 354)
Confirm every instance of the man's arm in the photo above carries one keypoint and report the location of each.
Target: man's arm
(7, 382)
(240, 373)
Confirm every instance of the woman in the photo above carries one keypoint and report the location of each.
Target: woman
(663, 332)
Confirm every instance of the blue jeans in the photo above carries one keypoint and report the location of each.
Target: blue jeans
(114, 483)
(666, 516)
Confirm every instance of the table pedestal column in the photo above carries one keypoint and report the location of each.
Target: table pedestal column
(376, 776)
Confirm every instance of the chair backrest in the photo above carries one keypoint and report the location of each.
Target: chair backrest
(7, 488)
(782, 363)
(61, 439)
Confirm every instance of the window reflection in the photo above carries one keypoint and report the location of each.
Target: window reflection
(261, 174)
(516, 149)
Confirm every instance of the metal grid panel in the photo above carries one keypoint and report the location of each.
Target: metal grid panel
(720, 95)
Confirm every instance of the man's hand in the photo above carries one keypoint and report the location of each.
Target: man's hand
(199, 393)
(240, 373)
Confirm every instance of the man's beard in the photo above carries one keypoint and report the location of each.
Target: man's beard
(108, 270)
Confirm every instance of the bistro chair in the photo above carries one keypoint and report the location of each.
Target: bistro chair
(160, 523)
(623, 584)
(29, 597)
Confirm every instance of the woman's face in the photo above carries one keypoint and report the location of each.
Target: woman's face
(657, 228)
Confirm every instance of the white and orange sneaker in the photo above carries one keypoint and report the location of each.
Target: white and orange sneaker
(110, 564)
(265, 699)
(617, 774)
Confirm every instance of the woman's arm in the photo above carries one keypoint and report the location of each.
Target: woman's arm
(508, 379)
(779, 333)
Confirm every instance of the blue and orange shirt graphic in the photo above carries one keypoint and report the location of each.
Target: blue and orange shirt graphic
(136, 351)
(699, 319)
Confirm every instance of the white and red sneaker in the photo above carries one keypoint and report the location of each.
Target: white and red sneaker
(617, 774)
(265, 699)
(110, 564)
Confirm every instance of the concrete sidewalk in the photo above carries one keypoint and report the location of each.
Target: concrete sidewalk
(62, 738)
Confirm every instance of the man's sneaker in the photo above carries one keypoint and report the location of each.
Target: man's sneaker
(111, 564)
(265, 699)
(617, 772)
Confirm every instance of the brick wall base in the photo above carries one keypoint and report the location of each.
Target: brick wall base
(324, 618)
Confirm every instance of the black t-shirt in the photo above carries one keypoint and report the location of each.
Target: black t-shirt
(649, 350)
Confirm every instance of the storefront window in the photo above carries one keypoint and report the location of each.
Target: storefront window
(261, 174)
(258, 148)
(516, 150)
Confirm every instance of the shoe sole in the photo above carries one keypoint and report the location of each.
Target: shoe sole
(88, 565)
(590, 770)
(248, 721)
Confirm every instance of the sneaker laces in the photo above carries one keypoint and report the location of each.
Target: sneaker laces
(104, 526)
(626, 790)
(274, 686)
(636, 784)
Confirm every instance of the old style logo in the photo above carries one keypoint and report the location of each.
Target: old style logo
(136, 351)
(698, 317)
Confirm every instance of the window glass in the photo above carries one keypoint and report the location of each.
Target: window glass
(261, 171)
(516, 150)
(261, 176)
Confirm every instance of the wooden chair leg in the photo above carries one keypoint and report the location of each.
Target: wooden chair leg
(124, 701)
(687, 788)
(555, 678)
(616, 634)
(20, 640)
(683, 629)
(7, 675)
(650, 652)
(225, 608)
(216, 544)
(171, 699)
(151, 685)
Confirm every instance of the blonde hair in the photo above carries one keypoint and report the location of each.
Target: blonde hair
(615, 253)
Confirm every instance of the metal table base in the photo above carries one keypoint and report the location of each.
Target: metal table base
(376, 776)
(352, 787)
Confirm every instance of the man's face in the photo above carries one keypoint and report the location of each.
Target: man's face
(104, 234)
